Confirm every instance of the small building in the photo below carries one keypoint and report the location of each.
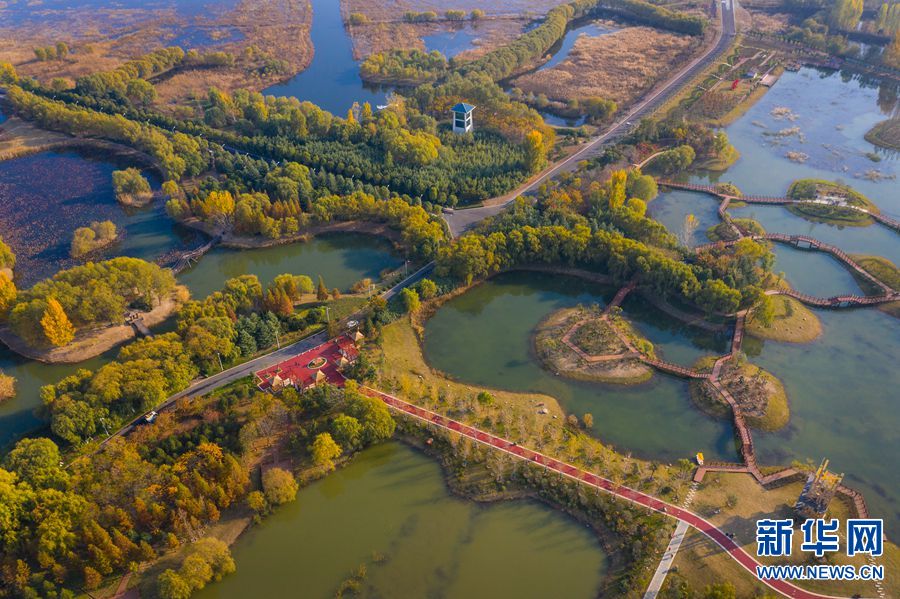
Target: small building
(462, 117)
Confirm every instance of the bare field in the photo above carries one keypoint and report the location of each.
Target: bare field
(769, 22)
(620, 66)
(490, 33)
(278, 29)
(387, 30)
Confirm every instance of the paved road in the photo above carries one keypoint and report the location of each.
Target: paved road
(211, 383)
(665, 564)
(463, 220)
(734, 550)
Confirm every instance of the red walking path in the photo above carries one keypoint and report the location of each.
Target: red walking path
(717, 536)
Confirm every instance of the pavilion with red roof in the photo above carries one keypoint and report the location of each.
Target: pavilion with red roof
(321, 364)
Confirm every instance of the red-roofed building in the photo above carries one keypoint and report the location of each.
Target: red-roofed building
(321, 364)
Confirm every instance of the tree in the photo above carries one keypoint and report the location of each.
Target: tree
(7, 257)
(845, 14)
(170, 585)
(36, 461)
(8, 295)
(131, 186)
(410, 300)
(321, 290)
(62, 50)
(256, 501)
(7, 386)
(535, 151)
(427, 289)
(374, 416)
(325, 451)
(56, 325)
(347, 431)
(588, 420)
(764, 312)
(279, 486)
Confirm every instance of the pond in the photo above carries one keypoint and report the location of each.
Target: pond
(843, 397)
(814, 273)
(332, 79)
(875, 239)
(823, 115)
(45, 197)
(341, 259)
(561, 50)
(452, 42)
(672, 208)
(484, 337)
(392, 502)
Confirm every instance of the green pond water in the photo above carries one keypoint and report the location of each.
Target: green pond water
(341, 259)
(392, 501)
(484, 337)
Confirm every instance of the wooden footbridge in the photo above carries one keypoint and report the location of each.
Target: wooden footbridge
(884, 219)
(888, 294)
(186, 259)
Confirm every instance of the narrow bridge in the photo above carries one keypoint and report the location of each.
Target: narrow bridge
(884, 219)
(594, 481)
(804, 242)
(190, 257)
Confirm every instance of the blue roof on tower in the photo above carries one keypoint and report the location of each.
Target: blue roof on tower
(463, 107)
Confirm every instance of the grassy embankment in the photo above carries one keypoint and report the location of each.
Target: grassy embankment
(792, 323)
(886, 271)
(742, 501)
(885, 134)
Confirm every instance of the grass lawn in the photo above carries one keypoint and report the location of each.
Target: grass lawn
(702, 562)
(793, 323)
(884, 270)
(403, 370)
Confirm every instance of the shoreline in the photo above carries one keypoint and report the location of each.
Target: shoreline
(97, 341)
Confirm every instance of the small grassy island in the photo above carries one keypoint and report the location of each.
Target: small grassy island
(723, 232)
(791, 322)
(886, 271)
(830, 202)
(759, 394)
(885, 134)
(580, 343)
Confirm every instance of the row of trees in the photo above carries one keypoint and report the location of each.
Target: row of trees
(176, 154)
(257, 214)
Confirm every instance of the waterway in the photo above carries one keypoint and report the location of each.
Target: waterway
(484, 337)
(842, 390)
(332, 79)
(391, 502)
(341, 259)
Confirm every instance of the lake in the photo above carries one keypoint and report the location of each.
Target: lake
(392, 502)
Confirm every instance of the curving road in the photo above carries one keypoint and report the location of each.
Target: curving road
(735, 551)
(462, 220)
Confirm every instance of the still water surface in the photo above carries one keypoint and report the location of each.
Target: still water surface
(392, 501)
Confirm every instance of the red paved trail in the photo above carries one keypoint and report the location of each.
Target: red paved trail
(598, 482)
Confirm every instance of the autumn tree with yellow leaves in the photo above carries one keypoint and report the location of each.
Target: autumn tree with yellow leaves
(56, 325)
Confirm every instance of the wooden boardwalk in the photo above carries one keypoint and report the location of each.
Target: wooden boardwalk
(809, 243)
(884, 219)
